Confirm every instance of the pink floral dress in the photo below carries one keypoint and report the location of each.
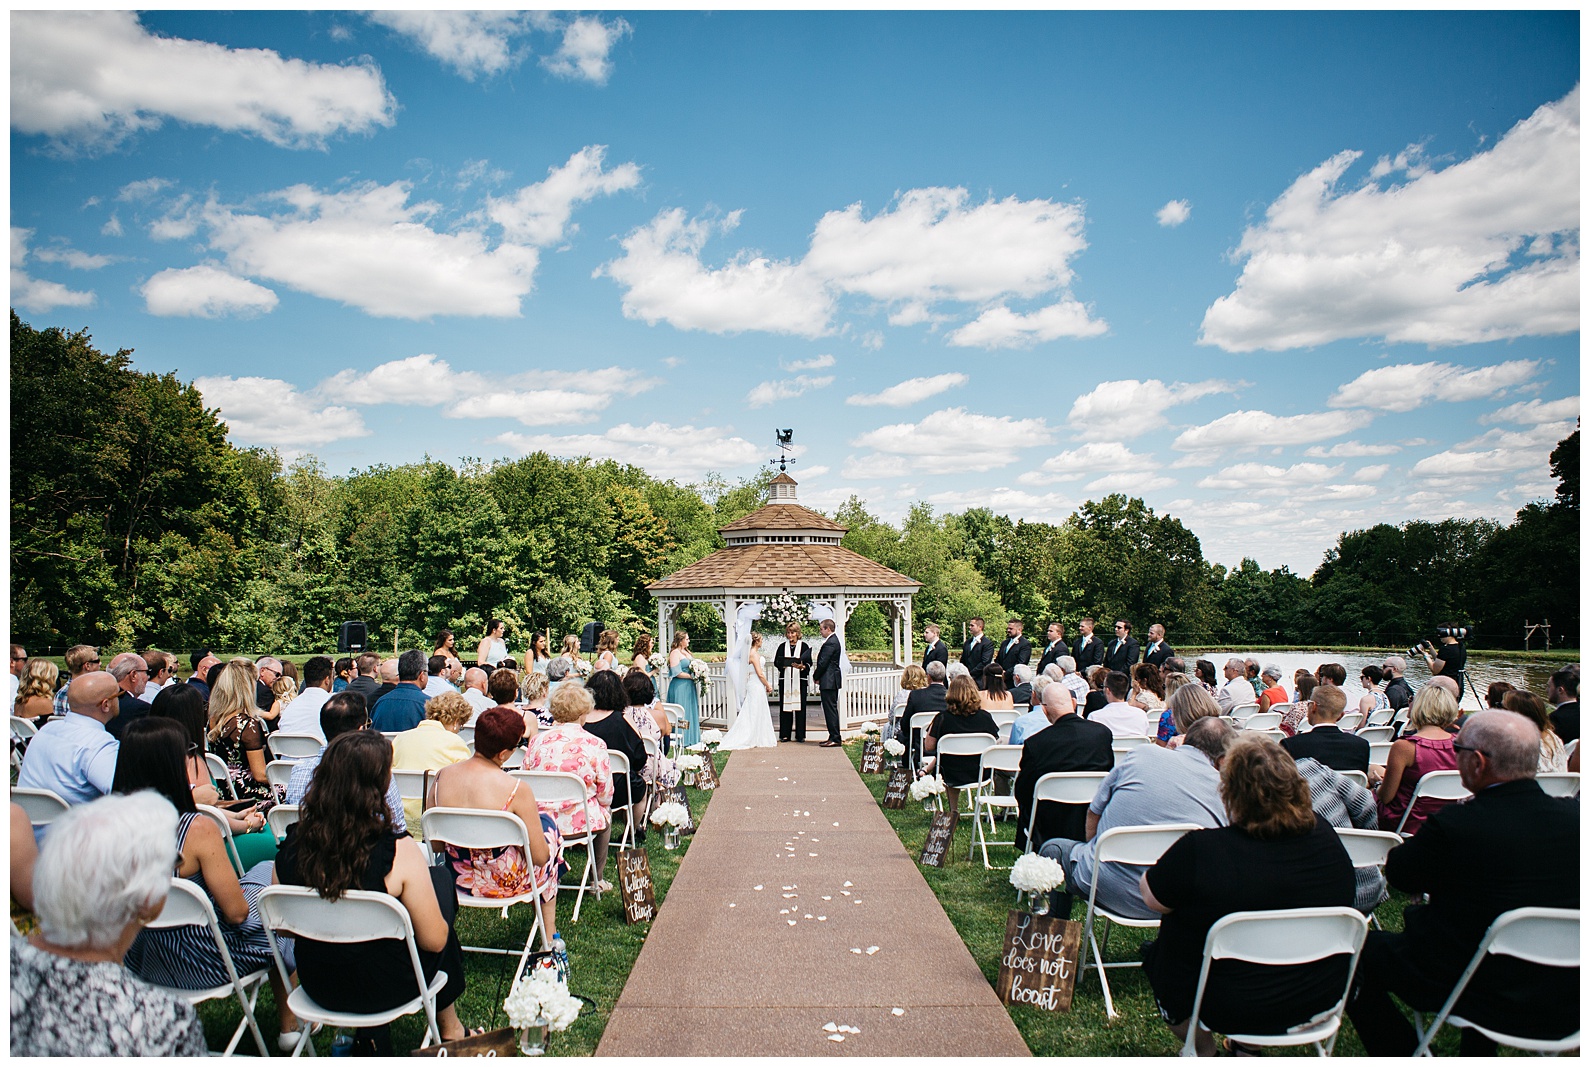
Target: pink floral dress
(507, 871)
(567, 747)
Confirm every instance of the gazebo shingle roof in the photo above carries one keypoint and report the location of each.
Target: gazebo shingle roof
(779, 566)
(783, 516)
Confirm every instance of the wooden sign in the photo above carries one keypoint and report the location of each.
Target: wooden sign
(707, 777)
(634, 883)
(899, 785)
(941, 833)
(1039, 962)
(503, 1042)
(872, 757)
(678, 796)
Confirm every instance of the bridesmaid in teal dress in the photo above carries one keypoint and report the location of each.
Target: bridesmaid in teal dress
(682, 689)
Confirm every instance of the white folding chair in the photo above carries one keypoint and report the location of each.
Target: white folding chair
(390, 734)
(1546, 936)
(295, 746)
(23, 729)
(221, 774)
(43, 806)
(187, 905)
(620, 764)
(1281, 710)
(472, 828)
(1281, 938)
(914, 755)
(1262, 720)
(1003, 737)
(466, 734)
(1569, 749)
(411, 785)
(1350, 722)
(1124, 743)
(1436, 785)
(1381, 717)
(1375, 733)
(278, 772)
(1358, 776)
(680, 721)
(280, 818)
(1559, 783)
(1139, 846)
(1379, 752)
(1005, 718)
(961, 745)
(1274, 735)
(1006, 758)
(552, 788)
(1367, 848)
(1062, 787)
(217, 816)
(1242, 711)
(358, 915)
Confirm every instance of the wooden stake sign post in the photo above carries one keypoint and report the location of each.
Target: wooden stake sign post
(1039, 962)
(707, 777)
(678, 796)
(872, 757)
(634, 884)
(941, 833)
(894, 793)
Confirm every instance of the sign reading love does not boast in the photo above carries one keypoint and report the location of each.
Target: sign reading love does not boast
(1039, 962)
(899, 783)
(634, 884)
(872, 757)
(941, 832)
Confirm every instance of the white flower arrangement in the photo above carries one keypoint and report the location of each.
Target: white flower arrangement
(657, 661)
(582, 668)
(688, 762)
(1036, 874)
(698, 670)
(540, 996)
(926, 787)
(671, 813)
(786, 608)
(712, 738)
(697, 747)
(894, 748)
(871, 728)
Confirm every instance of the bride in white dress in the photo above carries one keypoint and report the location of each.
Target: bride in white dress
(753, 725)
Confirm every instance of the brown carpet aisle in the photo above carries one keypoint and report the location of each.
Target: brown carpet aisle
(793, 870)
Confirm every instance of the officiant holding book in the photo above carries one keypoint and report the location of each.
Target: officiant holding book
(793, 661)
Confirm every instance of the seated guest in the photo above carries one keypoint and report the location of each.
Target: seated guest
(963, 714)
(1528, 845)
(931, 698)
(74, 757)
(475, 692)
(480, 782)
(568, 747)
(185, 957)
(404, 707)
(24, 854)
(1184, 709)
(436, 680)
(912, 678)
(88, 913)
(363, 681)
(1148, 690)
(1021, 693)
(302, 714)
(132, 675)
(344, 839)
(1552, 754)
(432, 745)
(387, 675)
(1495, 693)
(344, 672)
(236, 733)
(1562, 690)
(1326, 742)
(1000, 699)
(1273, 692)
(79, 659)
(36, 693)
(1428, 748)
(343, 713)
(645, 713)
(607, 721)
(502, 686)
(1096, 697)
(1067, 742)
(1236, 690)
(1123, 719)
(1345, 804)
(1072, 680)
(1374, 698)
(1204, 674)
(1303, 683)
(1147, 785)
(1038, 718)
(1275, 852)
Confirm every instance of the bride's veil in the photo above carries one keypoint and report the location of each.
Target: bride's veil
(735, 667)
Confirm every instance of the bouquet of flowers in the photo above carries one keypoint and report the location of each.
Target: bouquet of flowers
(1036, 874)
(894, 748)
(711, 738)
(927, 787)
(540, 999)
(870, 729)
(671, 813)
(582, 667)
(786, 608)
(689, 763)
(657, 661)
(698, 669)
(697, 747)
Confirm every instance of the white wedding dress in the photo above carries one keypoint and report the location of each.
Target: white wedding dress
(753, 725)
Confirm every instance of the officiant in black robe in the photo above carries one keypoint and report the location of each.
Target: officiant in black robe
(793, 662)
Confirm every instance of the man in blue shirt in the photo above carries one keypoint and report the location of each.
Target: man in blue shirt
(341, 714)
(404, 707)
(74, 757)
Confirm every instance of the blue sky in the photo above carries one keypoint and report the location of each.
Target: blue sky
(1279, 274)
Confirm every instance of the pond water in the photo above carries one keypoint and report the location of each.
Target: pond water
(1482, 669)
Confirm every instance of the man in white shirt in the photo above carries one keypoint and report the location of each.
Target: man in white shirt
(162, 672)
(475, 692)
(1236, 689)
(437, 682)
(302, 716)
(1123, 719)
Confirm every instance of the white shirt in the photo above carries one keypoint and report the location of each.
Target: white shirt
(302, 716)
(16, 683)
(1122, 719)
(436, 685)
(1234, 691)
(479, 701)
(1078, 687)
(151, 690)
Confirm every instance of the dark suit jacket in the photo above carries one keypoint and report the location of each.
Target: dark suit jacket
(827, 669)
(1071, 743)
(1012, 653)
(1565, 721)
(365, 687)
(129, 709)
(1088, 655)
(1158, 656)
(930, 699)
(1052, 653)
(977, 658)
(1121, 659)
(1021, 695)
(1336, 750)
(1510, 846)
(936, 651)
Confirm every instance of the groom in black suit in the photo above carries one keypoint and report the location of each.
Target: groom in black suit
(829, 681)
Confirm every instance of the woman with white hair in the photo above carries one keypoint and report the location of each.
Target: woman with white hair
(102, 876)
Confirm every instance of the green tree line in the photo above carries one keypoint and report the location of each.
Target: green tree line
(135, 522)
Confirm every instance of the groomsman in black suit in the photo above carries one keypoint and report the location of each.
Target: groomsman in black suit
(978, 652)
(935, 649)
(1016, 649)
(1089, 650)
(1055, 647)
(1122, 653)
(1158, 650)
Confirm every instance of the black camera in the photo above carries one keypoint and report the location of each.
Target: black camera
(1419, 649)
(1459, 632)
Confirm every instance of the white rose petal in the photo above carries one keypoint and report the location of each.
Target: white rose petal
(836, 1037)
(811, 854)
(757, 888)
(792, 922)
(898, 1011)
(871, 949)
(849, 884)
(844, 892)
(822, 918)
(857, 951)
(830, 1028)
(828, 898)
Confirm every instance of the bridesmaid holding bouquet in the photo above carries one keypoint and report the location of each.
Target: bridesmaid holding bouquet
(682, 674)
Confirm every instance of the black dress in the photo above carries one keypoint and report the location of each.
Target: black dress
(1209, 874)
(371, 976)
(619, 736)
(961, 771)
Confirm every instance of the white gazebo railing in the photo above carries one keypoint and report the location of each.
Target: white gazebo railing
(868, 694)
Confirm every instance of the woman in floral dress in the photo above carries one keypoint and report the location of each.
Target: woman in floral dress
(568, 747)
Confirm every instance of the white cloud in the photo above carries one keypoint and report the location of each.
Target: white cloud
(910, 391)
(1174, 213)
(271, 412)
(1000, 327)
(88, 79)
(1440, 258)
(1496, 452)
(473, 43)
(539, 214)
(1130, 482)
(1260, 477)
(1245, 429)
(112, 227)
(35, 294)
(1532, 412)
(1351, 450)
(587, 49)
(1091, 459)
(1371, 473)
(767, 393)
(1113, 411)
(665, 451)
(205, 292)
(71, 257)
(142, 190)
(821, 362)
(951, 440)
(1005, 500)
(1405, 386)
(368, 247)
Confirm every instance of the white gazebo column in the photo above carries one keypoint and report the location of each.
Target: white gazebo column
(841, 617)
(730, 607)
(663, 636)
(910, 653)
(894, 631)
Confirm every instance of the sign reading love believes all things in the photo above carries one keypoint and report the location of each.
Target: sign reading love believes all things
(1038, 964)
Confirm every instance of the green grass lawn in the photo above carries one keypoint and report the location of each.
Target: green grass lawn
(978, 901)
(602, 949)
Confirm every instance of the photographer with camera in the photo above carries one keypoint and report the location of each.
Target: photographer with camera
(1449, 657)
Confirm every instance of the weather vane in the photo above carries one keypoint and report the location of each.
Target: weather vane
(784, 437)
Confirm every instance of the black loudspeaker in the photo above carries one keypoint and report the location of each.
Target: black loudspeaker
(588, 636)
(352, 637)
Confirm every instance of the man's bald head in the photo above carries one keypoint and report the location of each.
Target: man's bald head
(389, 670)
(1441, 681)
(202, 670)
(94, 694)
(1497, 746)
(1058, 702)
(131, 672)
(475, 678)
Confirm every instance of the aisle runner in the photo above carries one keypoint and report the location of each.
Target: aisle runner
(797, 907)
